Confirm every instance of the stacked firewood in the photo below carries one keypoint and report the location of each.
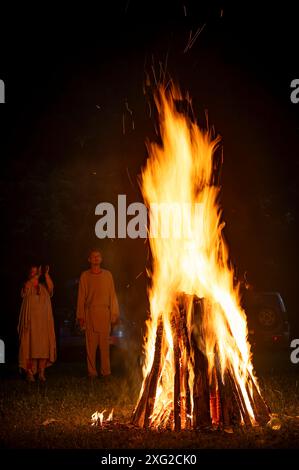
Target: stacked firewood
(215, 399)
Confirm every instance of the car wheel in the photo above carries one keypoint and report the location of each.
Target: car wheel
(268, 318)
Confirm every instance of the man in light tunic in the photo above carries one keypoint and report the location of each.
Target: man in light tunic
(97, 311)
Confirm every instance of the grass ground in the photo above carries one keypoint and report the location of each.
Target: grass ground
(58, 414)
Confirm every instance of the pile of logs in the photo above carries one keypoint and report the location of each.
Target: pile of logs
(216, 401)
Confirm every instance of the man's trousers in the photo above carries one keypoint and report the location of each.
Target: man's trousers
(96, 340)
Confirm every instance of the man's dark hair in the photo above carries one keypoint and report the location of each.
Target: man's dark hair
(94, 249)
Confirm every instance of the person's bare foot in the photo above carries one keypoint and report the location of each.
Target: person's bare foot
(30, 376)
(41, 376)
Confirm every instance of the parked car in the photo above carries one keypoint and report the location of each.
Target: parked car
(268, 324)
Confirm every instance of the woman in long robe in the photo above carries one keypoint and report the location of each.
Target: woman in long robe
(37, 343)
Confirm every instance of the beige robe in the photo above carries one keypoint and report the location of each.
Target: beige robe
(97, 302)
(98, 307)
(36, 328)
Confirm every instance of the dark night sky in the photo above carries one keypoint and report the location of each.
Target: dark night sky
(68, 75)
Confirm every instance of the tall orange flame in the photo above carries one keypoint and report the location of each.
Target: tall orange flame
(190, 258)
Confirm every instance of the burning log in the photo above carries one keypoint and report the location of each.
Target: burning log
(143, 412)
(186, 404)
(245, 417)
(177, 374)
(261, 410)
(222, 402)
(201, 394)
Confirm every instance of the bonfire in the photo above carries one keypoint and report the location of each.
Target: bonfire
(198, 370)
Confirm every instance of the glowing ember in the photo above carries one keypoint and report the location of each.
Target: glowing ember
(98, 418)
(198, 368)
(110, 417)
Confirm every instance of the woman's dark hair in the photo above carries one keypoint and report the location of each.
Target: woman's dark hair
(29, 268)
(42, 279)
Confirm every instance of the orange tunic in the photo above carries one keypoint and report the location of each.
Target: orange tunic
(97, 301)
